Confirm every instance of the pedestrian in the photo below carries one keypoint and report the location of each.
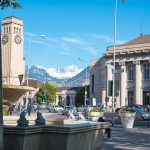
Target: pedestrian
(38, 108)
(107, 131)
(10, 110)
(29, 109)
(148, 108)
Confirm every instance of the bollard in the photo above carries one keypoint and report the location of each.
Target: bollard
(148, 121)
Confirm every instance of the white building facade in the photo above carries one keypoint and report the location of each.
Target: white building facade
(30, 97)
(65, 96)
(132, 75)
(12, 50)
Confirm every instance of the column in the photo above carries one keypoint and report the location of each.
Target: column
(109, 77)
(138, 83)
(103, 96)
(123, 84)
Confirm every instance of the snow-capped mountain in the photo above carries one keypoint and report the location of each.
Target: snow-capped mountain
(68, 76)
(65, 72)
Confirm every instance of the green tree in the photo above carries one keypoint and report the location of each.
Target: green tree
(80, 95)
(47, 93)
(9, 3)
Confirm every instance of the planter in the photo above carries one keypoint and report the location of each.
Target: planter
(95, 115)
(127, 119)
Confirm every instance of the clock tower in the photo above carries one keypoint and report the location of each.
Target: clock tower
(12, 50)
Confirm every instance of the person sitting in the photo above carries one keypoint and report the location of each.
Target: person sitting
(107, 131)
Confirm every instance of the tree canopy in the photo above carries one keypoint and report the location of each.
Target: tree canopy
(9, 3)
(80, 95)
(47, 93)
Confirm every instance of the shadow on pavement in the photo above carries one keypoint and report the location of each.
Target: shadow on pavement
(125, 139)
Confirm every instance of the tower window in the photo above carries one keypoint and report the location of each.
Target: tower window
(19, 31)
(4, 29)
(9, 30)
(14, 29)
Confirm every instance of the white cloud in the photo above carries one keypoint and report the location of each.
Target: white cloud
(74, 43)
(106, 38)
(65, 53)
(71, 40)
(37, 41)
(65, 72)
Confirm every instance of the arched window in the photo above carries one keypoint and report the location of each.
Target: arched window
(14, 29)
(4, 29)
(19, 31)
(9, 29)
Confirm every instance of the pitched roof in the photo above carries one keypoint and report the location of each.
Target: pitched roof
(32, 83)
(142, 39)
(67, 88)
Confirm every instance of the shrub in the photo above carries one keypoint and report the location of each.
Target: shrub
(96, 109)
(5, 110)
(127, 110)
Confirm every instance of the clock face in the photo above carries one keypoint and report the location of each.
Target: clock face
(5, 39)
(18, 39)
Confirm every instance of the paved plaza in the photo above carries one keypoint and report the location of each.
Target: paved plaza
(137, 138)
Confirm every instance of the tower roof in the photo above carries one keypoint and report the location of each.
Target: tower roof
(143, 39)
(10, 17)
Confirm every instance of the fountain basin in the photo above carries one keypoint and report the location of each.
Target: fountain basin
(12, 93)
(83, 136)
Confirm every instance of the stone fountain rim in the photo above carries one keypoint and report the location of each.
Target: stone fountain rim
(25, 88)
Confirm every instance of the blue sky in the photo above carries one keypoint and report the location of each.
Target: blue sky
(77, 28)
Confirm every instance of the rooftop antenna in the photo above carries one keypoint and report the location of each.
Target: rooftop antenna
(141, 29)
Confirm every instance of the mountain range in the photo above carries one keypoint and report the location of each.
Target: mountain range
(42, 75)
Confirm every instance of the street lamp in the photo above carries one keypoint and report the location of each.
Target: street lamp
(31, 36)
(85, 90)
(45, 88)
(27, 76)
(20, 78)
(114, 50)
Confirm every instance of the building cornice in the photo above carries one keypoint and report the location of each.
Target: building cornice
(121, 50)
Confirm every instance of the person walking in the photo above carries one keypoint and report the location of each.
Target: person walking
(10, 110)
(29, 109)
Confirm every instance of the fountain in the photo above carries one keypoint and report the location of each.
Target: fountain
(12, 93)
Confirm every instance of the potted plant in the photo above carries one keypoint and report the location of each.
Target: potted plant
(95, 113)
(127, 116)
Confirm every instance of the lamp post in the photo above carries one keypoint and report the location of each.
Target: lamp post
(20, 78)
(45, 88)
(85, 90)
(27, 76)
(31, 36)
(114, 50)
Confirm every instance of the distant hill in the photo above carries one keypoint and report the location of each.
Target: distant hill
(79, 79)
(42, 75)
